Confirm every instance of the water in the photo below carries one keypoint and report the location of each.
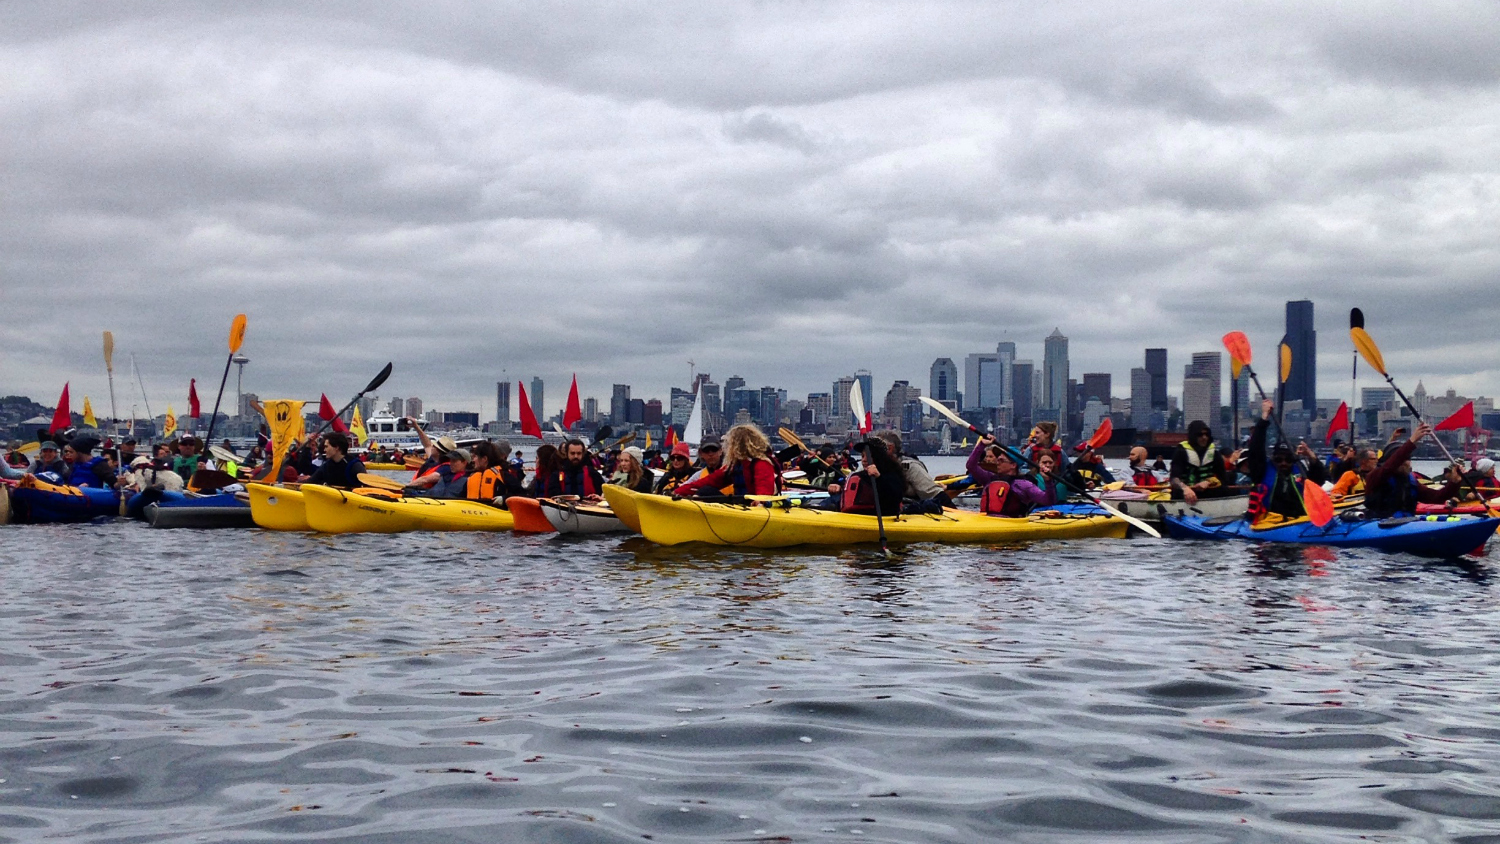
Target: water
(249, 686)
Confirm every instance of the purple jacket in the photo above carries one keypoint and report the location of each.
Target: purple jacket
(1024, 490)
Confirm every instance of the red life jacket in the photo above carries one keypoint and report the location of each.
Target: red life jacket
(997, 501)
(858, 495)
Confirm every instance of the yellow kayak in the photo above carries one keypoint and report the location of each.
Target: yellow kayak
(277, 507)
(622, 503)
(670, 522)
(387, 467)
(332, 510)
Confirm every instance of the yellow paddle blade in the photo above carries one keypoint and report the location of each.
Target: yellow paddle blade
(1239, 347)
(1286, 362)
(790, 438)
(1367, 349)
(236, 333)
(1319, 505)
(380, 481)
(1235, 366)
(109, 351)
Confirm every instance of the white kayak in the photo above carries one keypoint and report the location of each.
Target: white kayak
(573, 516)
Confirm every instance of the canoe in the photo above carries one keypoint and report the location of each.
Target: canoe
(277, 507)
(528, 516)
(332, 510)
(34, 501)
(1426, 536)
(673, 522)
(578, 517)
(200, 511)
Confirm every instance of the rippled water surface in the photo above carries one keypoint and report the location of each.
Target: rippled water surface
(244, 685)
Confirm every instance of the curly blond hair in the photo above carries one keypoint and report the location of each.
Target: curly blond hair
(745, 442)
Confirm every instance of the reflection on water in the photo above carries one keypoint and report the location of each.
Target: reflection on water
(247, 685)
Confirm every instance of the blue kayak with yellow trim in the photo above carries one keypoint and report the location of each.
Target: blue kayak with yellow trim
(1425, 536)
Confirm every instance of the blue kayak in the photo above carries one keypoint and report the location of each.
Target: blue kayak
(43, 503)
(179, 510)
(1426, 536)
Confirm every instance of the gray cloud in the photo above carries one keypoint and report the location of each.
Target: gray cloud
(778, 190)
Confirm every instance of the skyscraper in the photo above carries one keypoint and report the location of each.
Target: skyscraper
(536, 398)
(983, 383)
(839, 415)
(619, 404)
(1302, 384)
(414, 408)
(1055, 371)
(1140, 398)
(1207, 367)
(1005, 352)
(1021, 393)
(866, 387)
(502, 402)
(1156, 364)
(1096, 385)
(943, 383)
(1198, 400)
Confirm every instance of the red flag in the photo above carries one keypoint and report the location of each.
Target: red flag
(573, 413)
(328, 414)
(671, 436)
(1464, 418)
(62, 418)
(1339, 422)
(529, 425)
(193, 410)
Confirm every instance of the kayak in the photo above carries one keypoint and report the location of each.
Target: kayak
(623, 506)
(528, 516)
(387, 467)
(1150, 507)
(1472, 508)
(35, 501)
(780, 524)
(1427, 536)
(569, 516)
(331, 510)
(277, 507)
(176, 510)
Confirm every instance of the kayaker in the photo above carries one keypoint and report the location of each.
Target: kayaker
(1353, 480)
(186, 461)
(14, 457)
(339, 469)
(575, 475)
(1197, 471)
(1044, 439)
(1046, 478)
(881, 476)
(47, 460)
(1142, 475)
(631, 472)
(446, 480)
(679, 469)
(746, 468)
(512, 476)
(710, 460)
(1391, 489)
(1480, 481)
(1278, 490)
(485, 480)
(920, 493)
(1087, 469)
(1003, 491)
(127, 453)
(821, 467)
(84, 469)
(546, 466)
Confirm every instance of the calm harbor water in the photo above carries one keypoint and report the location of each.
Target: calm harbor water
(250, 686)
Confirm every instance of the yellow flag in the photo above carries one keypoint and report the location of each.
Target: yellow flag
(284, 417)
(357, 427)
(88, 414)
(648, 435)
(171, 427)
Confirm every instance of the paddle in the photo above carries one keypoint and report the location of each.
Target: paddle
(236, 337)
(1284, 352)
(1101, 435)
(1239, 353)
(959, 420)
(109, 367)
(1371, 353)
(1317, 503)
(374, 384)
(380, 482)
(885, 548)
(602, 434)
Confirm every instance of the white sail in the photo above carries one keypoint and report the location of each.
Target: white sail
(692, 432)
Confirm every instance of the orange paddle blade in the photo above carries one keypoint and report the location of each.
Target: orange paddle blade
(1102, 433)
(1367, 349)
(1238, 345)
(1286, 362)
(236, 333)
(1319, 505)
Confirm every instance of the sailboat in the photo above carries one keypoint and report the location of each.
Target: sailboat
(692, 432)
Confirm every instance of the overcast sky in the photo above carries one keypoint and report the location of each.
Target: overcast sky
(784, 191)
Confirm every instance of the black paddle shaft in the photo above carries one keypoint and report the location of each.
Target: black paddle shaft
(374, 383)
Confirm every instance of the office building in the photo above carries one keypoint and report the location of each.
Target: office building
(866, 387)
(414, 408)
(651, 413)
(819, 407)
(1199, 401)
(943, 382)
(1205, 367)
(1156, 364)
(1005, 352)
(1096, 385)
(536, 398)
(396, 406)
(590, 410)
(984, 384)
(502, 402)
(681, 406)
(619, 404)
(1023, 374)
(839, 415)
(1055, 371)
(1302, 384)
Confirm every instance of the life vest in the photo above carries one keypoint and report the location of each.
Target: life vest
(1392, 497)
(670, 481)
(743, 481)
(586, 482)
(1277, 493)
(858, 495)
(996, 500)
(484, 486)
(1143, 477)
(1200, 468)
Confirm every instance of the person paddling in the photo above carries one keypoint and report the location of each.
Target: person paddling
(746, 469)
(881, 477)
(339, 469)
(1278, 490)
(1392, 489)
(1005, 492)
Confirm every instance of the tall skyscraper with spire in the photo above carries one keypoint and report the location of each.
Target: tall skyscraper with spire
(1055, 371)
(1302, 337)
